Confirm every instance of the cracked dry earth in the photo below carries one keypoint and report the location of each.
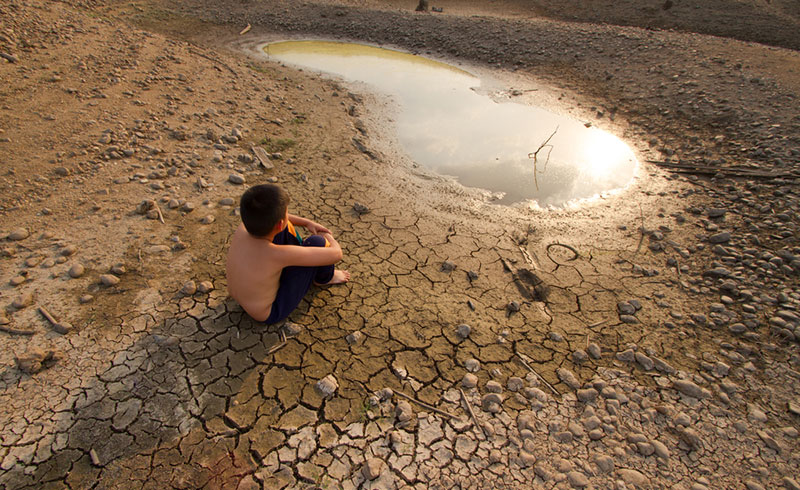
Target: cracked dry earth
(662, 355)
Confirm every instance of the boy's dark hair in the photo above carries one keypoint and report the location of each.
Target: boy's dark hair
(261, 207)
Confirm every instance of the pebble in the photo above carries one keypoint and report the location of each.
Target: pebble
(354, 338)
(360, 208)
(327, 386)
(493, 386)
(633, 477)
(85, 298)
(16, 280)
(722, 237)
(568, 378)
(109, 280)
(690, 388)
(403, 411)
(35, 359)
(22, 301)
(372, 468)
(790, 483)
(594, 351)
(472, 365)
(579, 356)
(19, 234)
(208, 219)
(205, 287)
(491, 402)
(463, 330)
(189, 288)
(587, 395)
(469, 381)
(577, 479)
(644, 361)
(236, 178)
(76, 271)
(227, 201)
(291, 329)
(515, 383)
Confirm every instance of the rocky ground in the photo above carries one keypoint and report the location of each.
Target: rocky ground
(658, 349)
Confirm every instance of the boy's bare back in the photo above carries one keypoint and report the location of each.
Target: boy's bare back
(253, 272)
(255, 264)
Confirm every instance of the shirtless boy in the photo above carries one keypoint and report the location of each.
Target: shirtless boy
(270, 268)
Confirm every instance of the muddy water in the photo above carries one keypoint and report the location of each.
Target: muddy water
(446, 124)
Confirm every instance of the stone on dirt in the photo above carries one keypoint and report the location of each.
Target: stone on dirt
(372, 468)
(189, 288)
(109, 279)
(76, 271)
(19, 234)
(35, 359)
(327, 386)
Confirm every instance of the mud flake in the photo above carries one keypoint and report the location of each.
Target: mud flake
(243, 415)
(420, 367)
(296, 418)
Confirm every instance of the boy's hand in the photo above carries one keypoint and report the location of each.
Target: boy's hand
(316, 228)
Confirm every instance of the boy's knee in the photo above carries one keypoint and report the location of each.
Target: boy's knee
(314, 241)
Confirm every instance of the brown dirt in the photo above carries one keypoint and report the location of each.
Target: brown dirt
(113, 103)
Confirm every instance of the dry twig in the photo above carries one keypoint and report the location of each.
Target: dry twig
(471, 413)
(525, 363)
(16, 331)
(211, 58)
(275, 348)
(535, 155)
(425, 405)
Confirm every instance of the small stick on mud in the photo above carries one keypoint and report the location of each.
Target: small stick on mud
(16, 331)
(59, 327)
(641, 231)
(535, 155)
(245, 30)
(425, 405)
(211, 58)
(524, 363)
(160, 214)
(596, 324)
(527, 256)
(471, 413)
(275, 348)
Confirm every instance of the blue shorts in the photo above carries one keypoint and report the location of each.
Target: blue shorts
(296, 280)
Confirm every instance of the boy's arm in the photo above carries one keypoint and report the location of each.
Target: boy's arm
(312, 227)
(312, 256)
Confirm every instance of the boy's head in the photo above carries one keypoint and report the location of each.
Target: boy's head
(262, 207)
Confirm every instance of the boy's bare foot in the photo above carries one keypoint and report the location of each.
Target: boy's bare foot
(339, 277)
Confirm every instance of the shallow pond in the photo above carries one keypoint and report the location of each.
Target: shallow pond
(444, 124)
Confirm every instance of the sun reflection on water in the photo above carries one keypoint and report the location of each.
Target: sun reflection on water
(447, 126)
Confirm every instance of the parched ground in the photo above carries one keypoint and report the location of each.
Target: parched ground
(657, 349)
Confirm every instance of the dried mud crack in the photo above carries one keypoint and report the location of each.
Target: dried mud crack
(660, 341)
